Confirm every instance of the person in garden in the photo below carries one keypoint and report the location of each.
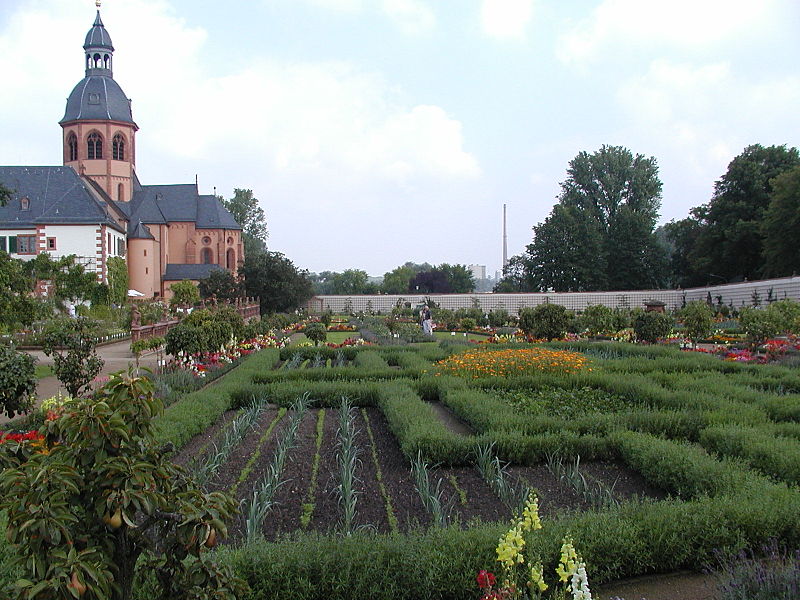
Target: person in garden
(427, 320)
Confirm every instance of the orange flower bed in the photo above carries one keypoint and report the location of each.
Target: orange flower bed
(505, 363)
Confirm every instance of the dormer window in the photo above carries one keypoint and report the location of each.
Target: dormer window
(118, 147)
(94, 146)
(24, 203)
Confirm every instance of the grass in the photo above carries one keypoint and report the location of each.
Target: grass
(43, 371)
(334, 337)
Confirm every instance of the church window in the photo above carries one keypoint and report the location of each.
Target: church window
(94, 146)
(231, 259)
(206, 256)
(106, 60)
(118, 147)
(72, 147)
(97, 63)
(121, 192)
(206, 240)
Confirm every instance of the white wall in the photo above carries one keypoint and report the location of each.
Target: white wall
(80, 240)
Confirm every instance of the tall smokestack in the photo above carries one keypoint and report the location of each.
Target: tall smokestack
(505, 239)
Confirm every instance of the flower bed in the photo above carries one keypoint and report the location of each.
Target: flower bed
(503, 363)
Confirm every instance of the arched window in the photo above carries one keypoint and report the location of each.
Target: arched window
(206, 256)
(118, 147)
(106, 60)
(121, 193)
(97, 61)
(94, 146)
(72, 147)
(231, 259)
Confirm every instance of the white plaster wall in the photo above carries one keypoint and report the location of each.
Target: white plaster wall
(80, 240)
(12, 232)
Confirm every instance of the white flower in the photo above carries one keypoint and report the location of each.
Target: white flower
(580, 584)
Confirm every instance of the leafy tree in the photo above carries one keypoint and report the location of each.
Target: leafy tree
(698, 318)
(651, 326)
(731, 241)
(548, 321)
(117, 280)
(600, 235)
(517, 276)
(397, 280)
(598, 319)
(316, 332)
(5, 194)
(759, 324)
(352, 281)
(222, 284)
(430, 282)
(248, 213)
(187, 338)
(459, 277)
(111, 506)
(274, 279)
(184, 292)
(17, 381)
(15, 290)
(71, 344)
(787, 315)
(780, 226)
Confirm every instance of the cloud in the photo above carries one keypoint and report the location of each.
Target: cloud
(411, 16)
(506, 18)
(677, 23)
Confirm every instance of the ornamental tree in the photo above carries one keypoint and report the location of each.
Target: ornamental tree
(698, 318)
(17, 381)
(316, 332)
(71, 343)
(110, 506)
(548, 321)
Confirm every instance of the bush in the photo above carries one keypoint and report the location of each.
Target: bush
(184, 292)
(186, 338)
(698, 319)
(71, 344)
(650, 326)
(787, 315)
(498, 317)
(597, 319)
(17, 381)
(759, 325)
(548, 321)
(316, 332)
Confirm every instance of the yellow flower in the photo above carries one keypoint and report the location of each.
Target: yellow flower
(568, 564)
(537, 577)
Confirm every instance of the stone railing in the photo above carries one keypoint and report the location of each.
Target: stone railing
(249, 308)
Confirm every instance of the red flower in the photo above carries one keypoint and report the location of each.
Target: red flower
(485, 579)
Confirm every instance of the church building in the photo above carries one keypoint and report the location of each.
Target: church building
(95, 207)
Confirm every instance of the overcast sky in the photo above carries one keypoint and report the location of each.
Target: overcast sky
(380, 131)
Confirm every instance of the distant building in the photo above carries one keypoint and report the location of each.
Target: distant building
(95, 207)
(478, 271)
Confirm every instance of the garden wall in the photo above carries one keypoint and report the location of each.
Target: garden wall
(735, 294)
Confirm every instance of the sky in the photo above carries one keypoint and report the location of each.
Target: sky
(376, 132)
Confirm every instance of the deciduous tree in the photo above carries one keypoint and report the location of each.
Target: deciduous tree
(247, 212)
(274, 279)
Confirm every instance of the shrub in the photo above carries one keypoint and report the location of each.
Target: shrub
(184, 292)
(650, 326)
(597, 319)
(759, 325)
(787, 315)
(316, 332)
(110, 503)
(186, 338)
(17, 381)
(71, 344)
(498, 317)
(468, 323)
(698, 319)
(548, 321)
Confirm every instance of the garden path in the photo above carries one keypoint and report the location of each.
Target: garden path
(117, 357)
(673, 586)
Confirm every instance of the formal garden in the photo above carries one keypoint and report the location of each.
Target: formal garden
(350, 456)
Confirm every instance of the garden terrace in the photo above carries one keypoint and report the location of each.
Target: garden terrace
(695, 454)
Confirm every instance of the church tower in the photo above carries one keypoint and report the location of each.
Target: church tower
(98, 128)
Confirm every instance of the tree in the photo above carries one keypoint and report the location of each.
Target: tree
(651, 326)
(397, 280)
(600, 234)
(117, 280)
(547, 321)
(698, 318)
(222, 284)
(274, 279)
(459, 277)
(780, 226)
(248, 213)
(316, 332)
(731, 241)
(71, 344)
(352, 281)
(110, 506)
(5, 195)
(184, 292)
(17, 381)
(430, 282)
(16, 303)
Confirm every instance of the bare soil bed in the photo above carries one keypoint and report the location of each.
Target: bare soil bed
(463, 488)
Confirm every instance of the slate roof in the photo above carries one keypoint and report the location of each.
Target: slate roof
(156, 204)
(98, 97)
(98, 36)
(139, 232)
(58, 196)
(179, 272)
